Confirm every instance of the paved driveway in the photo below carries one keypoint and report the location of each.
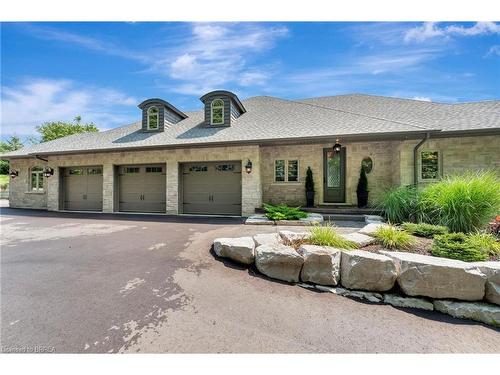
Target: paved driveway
(123, 283)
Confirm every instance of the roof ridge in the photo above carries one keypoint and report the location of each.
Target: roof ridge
(359, 114)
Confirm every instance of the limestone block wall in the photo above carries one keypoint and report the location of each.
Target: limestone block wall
(457, 154)
(20, 195)
(50, 199)
(293, 193)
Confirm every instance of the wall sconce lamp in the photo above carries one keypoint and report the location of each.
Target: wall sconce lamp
(48, 172)
(337, 147)
(13, 173)
(248, 166)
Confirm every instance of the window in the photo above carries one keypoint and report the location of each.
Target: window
(286, 170)
(76, 171)
(224, 167)
(154, 169)
(429, 165)
(153, 118)
(198, 168)
(217, 112)
(131, 170)
(36, 181)
(94, 171)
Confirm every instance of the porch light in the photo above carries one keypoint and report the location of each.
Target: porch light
(48, 172)
(336, 147)
(248, 166)
(13, 173)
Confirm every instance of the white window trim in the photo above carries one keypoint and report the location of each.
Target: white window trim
(38, 174)
(157, 114)
(420, 166)
(286, 171)
(212, 112)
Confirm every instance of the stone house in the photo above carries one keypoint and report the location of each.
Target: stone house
(231, 156)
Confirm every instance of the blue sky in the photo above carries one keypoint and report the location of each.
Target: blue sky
(101, 71)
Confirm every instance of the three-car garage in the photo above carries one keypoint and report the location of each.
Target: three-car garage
(212, 188)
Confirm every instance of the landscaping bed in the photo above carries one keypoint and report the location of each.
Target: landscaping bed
(356, 265)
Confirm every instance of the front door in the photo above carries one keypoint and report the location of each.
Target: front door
(333, 176)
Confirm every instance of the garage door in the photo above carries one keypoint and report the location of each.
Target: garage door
(212, 188)
(83, 188)
(142, 188)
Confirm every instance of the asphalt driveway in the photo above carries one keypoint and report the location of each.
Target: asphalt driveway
(137, 283)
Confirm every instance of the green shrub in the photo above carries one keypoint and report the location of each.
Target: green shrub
(457, 246)
(401, 204)
(391, 237)
(463, 203)
(328, 236)
(486, 242)
(424, 229)
(283, 212)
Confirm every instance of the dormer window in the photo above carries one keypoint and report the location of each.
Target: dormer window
(153, 118)
(217, 112)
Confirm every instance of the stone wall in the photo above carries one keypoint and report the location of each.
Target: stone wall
(381, 177)
(457, 155)
(50, 199)
(19, 188)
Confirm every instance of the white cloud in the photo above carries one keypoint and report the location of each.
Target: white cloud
(430, 30)
(422, 98)
(33, 102)
(219, 55)
(494, 51)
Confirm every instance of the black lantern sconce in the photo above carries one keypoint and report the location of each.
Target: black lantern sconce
(13, 173)
(337, 147)
(48, 172)
(248, 166)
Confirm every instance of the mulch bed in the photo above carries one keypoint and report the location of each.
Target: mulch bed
(422, 246)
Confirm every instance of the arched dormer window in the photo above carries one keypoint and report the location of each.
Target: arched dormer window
(217, 112)
(153, 118)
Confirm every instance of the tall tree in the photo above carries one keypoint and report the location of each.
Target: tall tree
(12, 144)
(58, 129)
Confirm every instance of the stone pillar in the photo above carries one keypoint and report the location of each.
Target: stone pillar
(108, 188)
(54, 184)
(172, 187)
(251, 186)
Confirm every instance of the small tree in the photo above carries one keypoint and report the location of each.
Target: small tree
(58, 129)
(309, 188)
(362, 189)
(362, 182)
(309, 180)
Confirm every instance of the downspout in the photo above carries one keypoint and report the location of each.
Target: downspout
(415, 158)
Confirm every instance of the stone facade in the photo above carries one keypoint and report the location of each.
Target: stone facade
(251, 183)
(392, 165)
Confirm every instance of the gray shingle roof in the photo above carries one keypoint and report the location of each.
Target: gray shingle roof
(269, 118)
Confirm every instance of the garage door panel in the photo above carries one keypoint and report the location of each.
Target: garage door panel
(212, 188)
(82, 188)
(142, 188)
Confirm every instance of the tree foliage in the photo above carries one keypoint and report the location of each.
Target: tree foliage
(58, 129)
(12, 144)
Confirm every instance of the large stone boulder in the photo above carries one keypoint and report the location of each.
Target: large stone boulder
(266, 239)
(359, 239)
(368, 271)
(279, 262)
(481, 312)
(241, 249)
(371, 228)
(400, 301)
(422, 275)
(321, 264)
(492, 272)
(289, 236)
